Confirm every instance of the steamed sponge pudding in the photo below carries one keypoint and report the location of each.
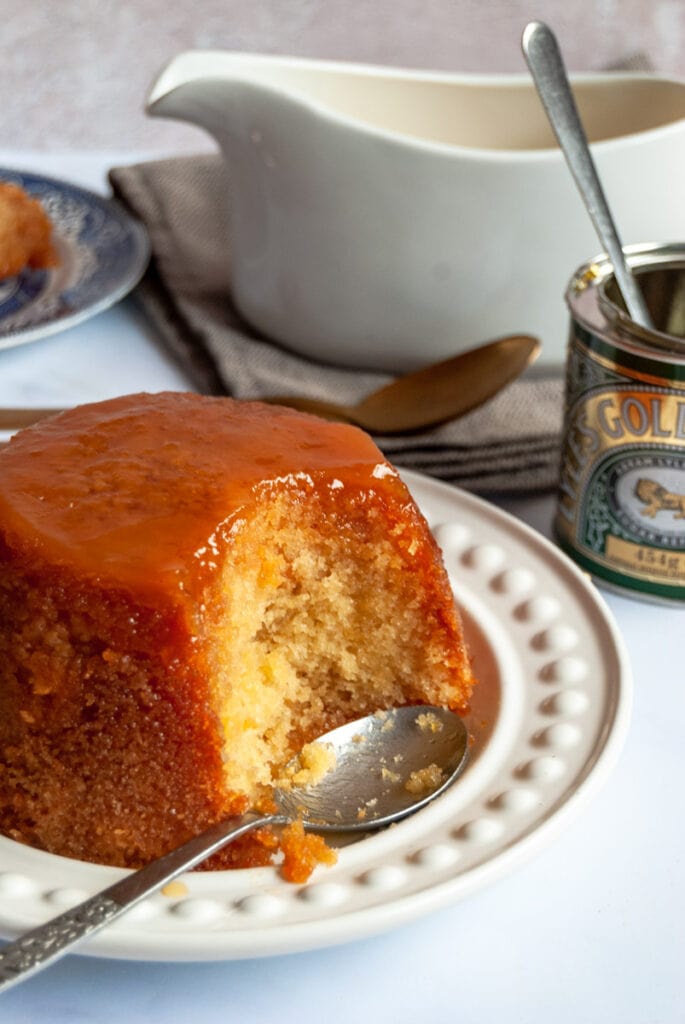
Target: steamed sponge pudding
(190, 590)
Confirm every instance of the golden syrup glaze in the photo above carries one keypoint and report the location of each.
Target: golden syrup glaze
(111, 517)
(143, 491)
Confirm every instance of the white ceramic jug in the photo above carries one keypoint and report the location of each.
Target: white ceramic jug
(387, 218)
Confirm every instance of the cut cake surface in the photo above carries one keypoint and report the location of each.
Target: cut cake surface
(191, 589)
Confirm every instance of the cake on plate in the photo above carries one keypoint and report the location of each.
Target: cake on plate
(191, 589)
(25, 232)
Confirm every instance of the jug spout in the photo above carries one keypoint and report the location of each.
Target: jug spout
(223, 93)
(189, 88)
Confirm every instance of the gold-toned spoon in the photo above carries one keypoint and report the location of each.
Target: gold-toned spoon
(433, 395)
(425, 398)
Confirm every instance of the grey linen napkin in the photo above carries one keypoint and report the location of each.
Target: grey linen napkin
(509, 445)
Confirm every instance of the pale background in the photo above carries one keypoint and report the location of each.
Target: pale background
(97, 58)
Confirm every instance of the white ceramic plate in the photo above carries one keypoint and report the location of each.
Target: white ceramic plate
(548, 718)
(103, 252)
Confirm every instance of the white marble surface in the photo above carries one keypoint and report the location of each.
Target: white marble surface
(591, 929)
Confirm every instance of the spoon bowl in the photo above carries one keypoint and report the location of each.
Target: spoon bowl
(385, 767)
(433, 395)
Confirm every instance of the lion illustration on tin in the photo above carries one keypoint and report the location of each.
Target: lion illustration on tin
(657, 499)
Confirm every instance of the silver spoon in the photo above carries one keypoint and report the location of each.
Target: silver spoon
(546, 64)
(374, 782)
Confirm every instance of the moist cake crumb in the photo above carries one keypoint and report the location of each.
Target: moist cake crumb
(175, 890)
(313, 762)
(428, 721)
(188, 597)
(302, 851)
(424, 780)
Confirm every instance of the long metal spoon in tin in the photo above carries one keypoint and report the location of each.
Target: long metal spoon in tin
(546, 64)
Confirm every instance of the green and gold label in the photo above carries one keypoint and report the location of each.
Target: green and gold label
(621, 508)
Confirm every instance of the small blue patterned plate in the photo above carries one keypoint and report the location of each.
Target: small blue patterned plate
(103, 253)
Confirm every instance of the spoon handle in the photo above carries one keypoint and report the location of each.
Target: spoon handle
(15, 419)
(326, 410)
(546, 64)
(43, 945)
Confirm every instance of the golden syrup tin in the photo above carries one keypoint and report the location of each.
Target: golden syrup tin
(621, 506)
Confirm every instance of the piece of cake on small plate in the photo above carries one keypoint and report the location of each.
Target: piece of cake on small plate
(26, 238)
(191, 589)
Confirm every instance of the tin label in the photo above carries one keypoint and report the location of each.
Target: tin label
(621, 511)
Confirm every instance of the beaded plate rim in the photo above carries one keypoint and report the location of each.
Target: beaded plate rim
(548, 729)
(103, 253)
